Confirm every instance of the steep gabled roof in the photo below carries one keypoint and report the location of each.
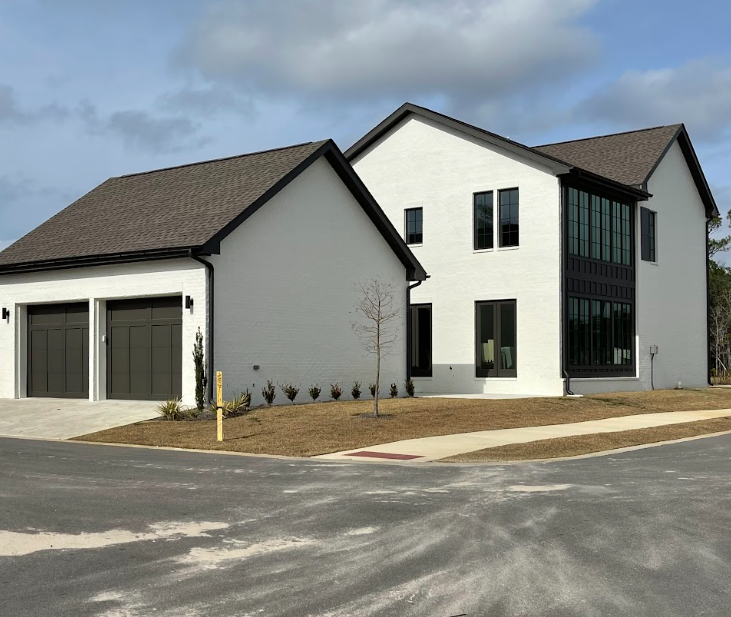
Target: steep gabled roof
(632, 157)
(625, 157)
(554, 163)
(182, 210)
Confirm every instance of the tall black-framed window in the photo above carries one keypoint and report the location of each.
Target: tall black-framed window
(509, 217)
(496, 338)
(579, 331)
(414, 225)
(578, 222)
(648, 222)
(483, 216)
(421, 341)
(601, 332)
(599, 228)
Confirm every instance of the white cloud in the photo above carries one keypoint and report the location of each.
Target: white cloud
(697, 93)
(466, 51)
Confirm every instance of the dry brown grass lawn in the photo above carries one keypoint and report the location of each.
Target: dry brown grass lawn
(308, 430)
(586, 444)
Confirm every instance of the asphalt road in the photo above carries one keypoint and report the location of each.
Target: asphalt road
(121, 532)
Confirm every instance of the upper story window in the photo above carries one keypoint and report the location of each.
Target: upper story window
(648, 226)
(599, 227)
(414, 226)
(509, 217)
(483, 215)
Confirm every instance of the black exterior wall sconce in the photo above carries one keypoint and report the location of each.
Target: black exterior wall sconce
(188, 302)
(5, 314)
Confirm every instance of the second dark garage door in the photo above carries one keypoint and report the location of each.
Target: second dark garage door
(144, 353)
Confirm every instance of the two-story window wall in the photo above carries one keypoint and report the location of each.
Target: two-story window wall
(600, 284)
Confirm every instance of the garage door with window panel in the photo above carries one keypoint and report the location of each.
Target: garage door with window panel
(144, 353)
(58, 350)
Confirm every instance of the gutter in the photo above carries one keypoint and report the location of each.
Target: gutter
(93, 260)
(211, 313)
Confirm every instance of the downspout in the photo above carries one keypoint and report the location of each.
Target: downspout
(408, 328)
(211, 317)
(708, 299)
(564, 267)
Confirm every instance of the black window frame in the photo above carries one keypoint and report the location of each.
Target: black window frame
(419, 223)
(496, 370)
(512, 234)
(648, 235)
(604, 343)
(606, 280)
(476, 234)
(415, 358)
(599, 228)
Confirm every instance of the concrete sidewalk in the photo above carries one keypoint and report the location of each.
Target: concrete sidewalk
(433, 448)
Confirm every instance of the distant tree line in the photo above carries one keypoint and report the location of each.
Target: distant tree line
(720, 302)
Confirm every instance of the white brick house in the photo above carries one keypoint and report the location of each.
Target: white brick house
(262, 252)
(582, 262)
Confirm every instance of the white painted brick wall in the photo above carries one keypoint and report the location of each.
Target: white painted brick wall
(420, 164)
(96, 285)
(286, 290)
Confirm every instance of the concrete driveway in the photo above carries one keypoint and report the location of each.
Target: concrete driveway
(54, 418)
(98, 531)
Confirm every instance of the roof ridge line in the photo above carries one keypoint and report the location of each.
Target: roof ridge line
(649, 128)
(218, 160)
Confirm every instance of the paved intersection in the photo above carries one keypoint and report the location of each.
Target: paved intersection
(90, 530)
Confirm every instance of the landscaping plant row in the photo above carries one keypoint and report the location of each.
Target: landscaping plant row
(174, 409)
(269, 392)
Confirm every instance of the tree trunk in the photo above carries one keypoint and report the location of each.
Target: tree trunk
(378, 370)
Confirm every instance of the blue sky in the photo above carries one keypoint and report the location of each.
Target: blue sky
(94, 88)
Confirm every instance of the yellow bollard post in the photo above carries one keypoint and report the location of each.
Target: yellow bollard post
(219, 405)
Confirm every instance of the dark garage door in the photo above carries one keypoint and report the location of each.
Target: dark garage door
(58, 350)
(144, 354)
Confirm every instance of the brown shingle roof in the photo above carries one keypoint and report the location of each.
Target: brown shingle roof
(628, 158)
(178, 207)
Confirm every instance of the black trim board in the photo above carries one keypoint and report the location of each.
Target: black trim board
(414, 270)
(556, 165)
(694, 166)
(406, 109)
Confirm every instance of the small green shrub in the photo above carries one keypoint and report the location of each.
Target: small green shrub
(355, 390)
(335, 391)
(394, 390)
(172, 409)
(372, 388)
(290, 391)
(237, 406)
(315, 392)
(409, 385)
(269, 392)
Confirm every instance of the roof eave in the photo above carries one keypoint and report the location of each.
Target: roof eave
(631, 192)
(414, 270)
(95, 260)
